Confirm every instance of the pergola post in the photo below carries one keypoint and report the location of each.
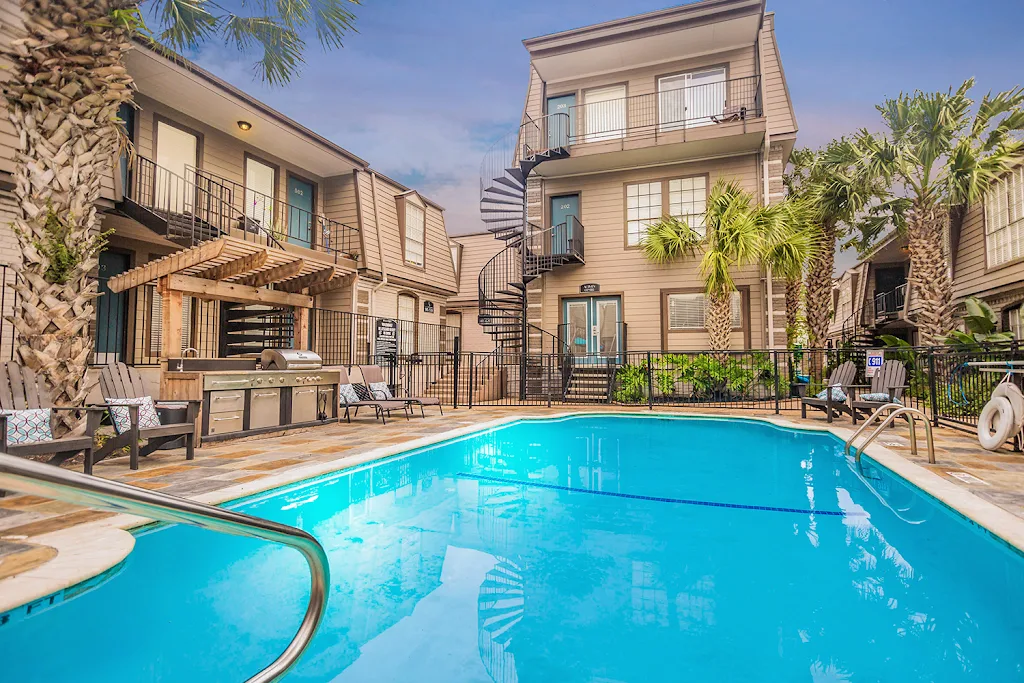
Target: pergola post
(301, 335)
(172, 301)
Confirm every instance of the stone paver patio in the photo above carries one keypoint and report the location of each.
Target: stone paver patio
(997, 477)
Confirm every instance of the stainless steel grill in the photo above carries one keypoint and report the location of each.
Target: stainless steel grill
(290, 359)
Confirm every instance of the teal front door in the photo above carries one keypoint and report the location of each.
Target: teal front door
(561, 129)
(592, 326)
(563, 208)
(300, 211)
(111, 311)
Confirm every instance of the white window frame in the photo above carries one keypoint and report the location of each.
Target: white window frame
(414, 247)
(700, 323)
(605, 118)
(685, 198)
(643, 209)
(688, 200)
(1004, 219)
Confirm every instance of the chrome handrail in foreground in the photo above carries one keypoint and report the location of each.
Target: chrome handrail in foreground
(897, 410)
(35, 478)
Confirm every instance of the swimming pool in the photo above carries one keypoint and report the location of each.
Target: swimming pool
(590, 549)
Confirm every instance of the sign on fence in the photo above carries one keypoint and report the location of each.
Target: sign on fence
(386, 337)
(875, 360)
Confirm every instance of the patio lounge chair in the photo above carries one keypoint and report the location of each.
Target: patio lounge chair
(886, 386)
(21, 391)
(380, 408)
(841, 378)
(373, 374)
(118, 382)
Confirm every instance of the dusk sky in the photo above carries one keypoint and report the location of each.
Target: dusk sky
(424, 87)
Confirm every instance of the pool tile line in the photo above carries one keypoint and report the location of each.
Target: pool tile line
(658, 499)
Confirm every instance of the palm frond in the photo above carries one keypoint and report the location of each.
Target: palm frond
(670, 239)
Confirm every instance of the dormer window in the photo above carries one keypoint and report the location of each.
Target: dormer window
(414, 230)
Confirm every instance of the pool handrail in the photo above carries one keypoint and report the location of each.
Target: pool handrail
(897, 410)
(36, 478)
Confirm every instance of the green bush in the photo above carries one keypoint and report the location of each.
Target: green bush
(631, 383)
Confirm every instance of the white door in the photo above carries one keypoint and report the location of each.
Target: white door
(259, 193)
(176, 150)
(604, 113)
(672, 102)
(705, 96)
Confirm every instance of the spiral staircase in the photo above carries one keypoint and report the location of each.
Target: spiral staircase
(529, 251)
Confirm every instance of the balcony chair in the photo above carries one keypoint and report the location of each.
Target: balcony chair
(20, 391)
(886, 386)
(841, 378)
(120, 384)
(373, 375)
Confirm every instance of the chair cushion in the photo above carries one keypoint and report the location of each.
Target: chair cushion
(347, 393)
(838, 395)
(880, 397)
(362, 392)
(122, 418)
(381, 391)
(28, 426)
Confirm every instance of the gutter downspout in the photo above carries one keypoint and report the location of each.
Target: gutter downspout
(380, 246)
(769, 284)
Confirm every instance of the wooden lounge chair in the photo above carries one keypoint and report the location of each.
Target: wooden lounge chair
(380, 408)
(842, 377)
(373, 374)
(20, 390)
(118, 381)
(889, 380)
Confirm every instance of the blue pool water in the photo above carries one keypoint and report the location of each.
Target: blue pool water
(592, 549)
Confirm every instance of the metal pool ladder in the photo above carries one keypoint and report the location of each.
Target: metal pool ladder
(35, 478)
(911, 416)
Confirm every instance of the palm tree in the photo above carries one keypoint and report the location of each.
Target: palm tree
(833, 191)
(789, 246)
(670, 239)
(67, 81)
(939, 159)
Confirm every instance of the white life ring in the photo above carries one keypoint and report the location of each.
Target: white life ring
(995, 424)
(1010, 392)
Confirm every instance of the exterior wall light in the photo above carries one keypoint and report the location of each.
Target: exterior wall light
(244, 125)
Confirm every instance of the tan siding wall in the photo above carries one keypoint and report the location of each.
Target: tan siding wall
(474, 338)
(621, 270)
(971, 275)
(777, 104)
(739, 63)
(367, 220)
(438, 271)
(535, 95)
(477, 250)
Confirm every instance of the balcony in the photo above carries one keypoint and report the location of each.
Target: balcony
(724, 117)
(889, 305)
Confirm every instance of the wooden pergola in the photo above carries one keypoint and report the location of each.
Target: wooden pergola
(230, 269)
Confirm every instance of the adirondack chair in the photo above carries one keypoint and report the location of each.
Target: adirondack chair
(20, 390)
(889, 380)
(117, 380)
(842, 377)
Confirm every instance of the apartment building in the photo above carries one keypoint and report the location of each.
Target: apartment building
(212, 162)
(623, 123)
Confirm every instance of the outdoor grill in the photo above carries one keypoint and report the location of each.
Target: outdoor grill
(290, 359)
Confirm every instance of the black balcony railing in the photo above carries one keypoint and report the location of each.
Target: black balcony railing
(889, 304)
(284, 221)
(667, 111)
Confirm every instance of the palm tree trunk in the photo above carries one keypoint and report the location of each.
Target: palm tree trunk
(794, 290)
(67, 82)
(929, 275)
(819, 288)
(718, 320)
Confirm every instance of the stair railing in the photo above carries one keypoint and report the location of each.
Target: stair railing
(47, 481)
(911, 415)
(530, 138)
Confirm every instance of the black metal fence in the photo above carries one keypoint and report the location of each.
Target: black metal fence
(941, 381)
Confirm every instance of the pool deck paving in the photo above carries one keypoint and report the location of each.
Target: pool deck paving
(30, 526)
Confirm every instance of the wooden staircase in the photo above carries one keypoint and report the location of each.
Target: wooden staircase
(589, 383)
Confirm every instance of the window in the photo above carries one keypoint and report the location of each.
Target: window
(1004, 219)
(687, 311)
(1015, 322)
(156, 322)
(406, 324)
(604, 113)
(456, 251)
(687, 199)
(259, 192)
(643, 209)
(415, 219)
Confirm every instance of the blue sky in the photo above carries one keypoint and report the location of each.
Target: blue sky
(423, 87)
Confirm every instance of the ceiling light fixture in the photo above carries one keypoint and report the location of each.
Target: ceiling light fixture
(244, 125)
